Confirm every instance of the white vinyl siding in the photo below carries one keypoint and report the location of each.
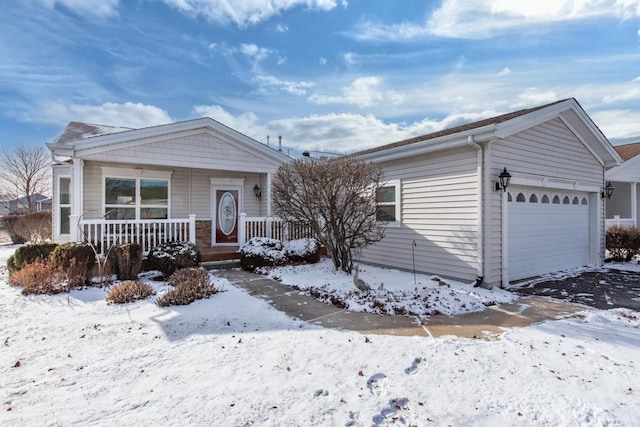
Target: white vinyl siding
(439, 210)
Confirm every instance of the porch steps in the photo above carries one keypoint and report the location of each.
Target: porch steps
(221, 265)
(220, 258)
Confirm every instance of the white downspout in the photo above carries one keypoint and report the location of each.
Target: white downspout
(480, 192)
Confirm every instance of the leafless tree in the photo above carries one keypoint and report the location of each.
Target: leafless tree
(337, 198)
(24, 172)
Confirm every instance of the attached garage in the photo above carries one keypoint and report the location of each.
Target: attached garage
(454, 218)
(547, 231)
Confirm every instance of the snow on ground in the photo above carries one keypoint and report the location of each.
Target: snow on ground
(232, 360)
(393, 291)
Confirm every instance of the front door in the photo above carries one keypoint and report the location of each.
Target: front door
(226, 217)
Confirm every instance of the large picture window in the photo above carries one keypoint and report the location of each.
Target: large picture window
(388, 203)
(136, 198)
(64, 204)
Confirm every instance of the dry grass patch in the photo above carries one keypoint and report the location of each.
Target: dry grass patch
(129, 291)
(190, 284)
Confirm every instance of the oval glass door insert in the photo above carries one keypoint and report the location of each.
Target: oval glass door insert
(227, 213)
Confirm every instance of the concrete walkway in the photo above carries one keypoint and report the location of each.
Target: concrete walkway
(485, 324)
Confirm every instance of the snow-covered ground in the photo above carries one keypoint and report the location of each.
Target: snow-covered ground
(232, 360)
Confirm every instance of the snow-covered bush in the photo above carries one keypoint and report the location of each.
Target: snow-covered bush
(171, 256)
(128, 291)
(303, 250)
(623, 242)
(190, 284)
(261, 252)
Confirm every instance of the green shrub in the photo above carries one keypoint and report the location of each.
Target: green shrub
(171, 256)
(10, 223)
(303, 250)
(129, 291)
(190, 284)
(126, 260)
(261, 252)
(29, 254)
(76, 259)
(11, 264)
(623, 242)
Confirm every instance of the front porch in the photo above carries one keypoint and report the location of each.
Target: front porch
(622, 207)
(103, 233)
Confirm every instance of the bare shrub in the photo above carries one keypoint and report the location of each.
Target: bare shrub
(190, 284)
(10, 223)
(126, 260)
(623, 242)
(39, 278)
(337, 197)
(129, 291)
(35, 227)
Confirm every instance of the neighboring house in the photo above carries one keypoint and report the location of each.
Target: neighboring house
(195, 180)
(622, 208)
(446, 217)
(19, 206)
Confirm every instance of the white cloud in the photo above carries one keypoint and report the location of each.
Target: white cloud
(100, 8)
(323, 60)
(246, 123)
(363, 92)
(129, 114)
(270, 83)
(505, 71)
(246, 12)
(618, 124)
(349, 58)
(533, 97)
(483, 18)
(254, 51)
(282, 28)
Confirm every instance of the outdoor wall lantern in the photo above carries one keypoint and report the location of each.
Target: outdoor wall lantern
(257, 192)
(608, 190)
(505, 178)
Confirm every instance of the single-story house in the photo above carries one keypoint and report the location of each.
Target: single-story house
(20, 205)
(622, 207)
(448, 214)
(195, 180)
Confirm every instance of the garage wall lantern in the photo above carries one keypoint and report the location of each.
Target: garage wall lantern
(257, 191)
(608, 190)
(505, 179)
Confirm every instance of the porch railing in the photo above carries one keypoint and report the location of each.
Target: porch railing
(271, 227)
(146, 232)
(616, 220)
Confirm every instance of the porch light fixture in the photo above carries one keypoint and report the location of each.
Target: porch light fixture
(505, 178)
(608, 190)
(257, 191)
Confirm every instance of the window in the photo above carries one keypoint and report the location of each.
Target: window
(64, 204)
(584, 201)
(575, 201)
(556, 200)
(545, 199)
(509, 197)
(131, 197)
(566, 201)
(388, 203)
(521, 198)
(533, 199)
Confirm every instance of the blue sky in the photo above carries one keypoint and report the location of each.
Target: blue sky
(325, 74)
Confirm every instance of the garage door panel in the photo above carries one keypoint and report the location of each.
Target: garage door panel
(546, 237)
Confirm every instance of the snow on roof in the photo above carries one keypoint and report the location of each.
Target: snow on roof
(79, 130)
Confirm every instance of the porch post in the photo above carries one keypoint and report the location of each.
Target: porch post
(634, 204)
(269, 194)
(76, 200)
(242, 228)
(192, 228)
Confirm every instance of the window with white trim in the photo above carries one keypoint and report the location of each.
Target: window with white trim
(388, 207)
(136, 197)
(64, 204)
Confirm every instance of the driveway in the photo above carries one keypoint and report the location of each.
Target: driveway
(602, 288)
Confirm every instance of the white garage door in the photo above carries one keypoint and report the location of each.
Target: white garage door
(547, 231)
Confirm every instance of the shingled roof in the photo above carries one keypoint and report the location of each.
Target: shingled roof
(628, 151)
(457, 129)
(79, 130)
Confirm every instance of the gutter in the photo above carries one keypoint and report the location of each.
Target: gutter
(479, 173)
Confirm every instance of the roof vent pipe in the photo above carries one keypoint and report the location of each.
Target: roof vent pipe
(279, 142)
(268, 140)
